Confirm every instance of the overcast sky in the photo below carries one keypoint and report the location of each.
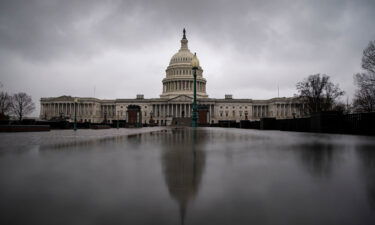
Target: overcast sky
(122, 48)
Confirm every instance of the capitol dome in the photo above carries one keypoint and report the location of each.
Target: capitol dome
(181, 57)
(179, 75)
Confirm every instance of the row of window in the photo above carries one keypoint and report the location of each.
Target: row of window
(227, 107)
(181, 59)
(122, 113)
(245, 113)
(180, 72)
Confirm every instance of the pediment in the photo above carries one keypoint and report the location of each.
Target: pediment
(64, 98)
(181, 98)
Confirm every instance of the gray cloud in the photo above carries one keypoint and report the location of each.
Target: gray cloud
(51, 47)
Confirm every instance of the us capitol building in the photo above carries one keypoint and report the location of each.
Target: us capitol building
(175, 102)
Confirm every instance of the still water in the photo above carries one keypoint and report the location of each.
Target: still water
(185, 176)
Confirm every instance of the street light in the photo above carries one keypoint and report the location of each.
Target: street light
(117, 121)
(75, 113)
(195, 66)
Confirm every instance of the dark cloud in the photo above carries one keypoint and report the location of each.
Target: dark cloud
(123, 47)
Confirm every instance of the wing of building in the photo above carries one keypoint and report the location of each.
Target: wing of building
(174, 104)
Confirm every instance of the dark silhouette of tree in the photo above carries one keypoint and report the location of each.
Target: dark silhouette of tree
(318, 93)
(368, 58)
(22, 105)
(364, 97)
(5, 104)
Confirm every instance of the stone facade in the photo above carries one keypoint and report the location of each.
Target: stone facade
(174, 102)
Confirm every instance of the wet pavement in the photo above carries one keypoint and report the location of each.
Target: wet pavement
(175, 176)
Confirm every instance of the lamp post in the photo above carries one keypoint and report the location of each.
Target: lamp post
(118, 121)
(195, 66)
(75, 114)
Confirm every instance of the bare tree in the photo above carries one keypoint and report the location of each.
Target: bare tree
(318, 93)
(364, 97)
(368, 58)
(22, 105)
(5, 104)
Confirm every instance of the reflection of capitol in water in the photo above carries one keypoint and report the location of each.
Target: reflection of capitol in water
(183, 164)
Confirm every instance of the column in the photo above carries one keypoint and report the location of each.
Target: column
(291, 109)
(210, 111)
(41, 110)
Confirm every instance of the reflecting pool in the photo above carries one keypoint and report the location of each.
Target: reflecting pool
(186, 176)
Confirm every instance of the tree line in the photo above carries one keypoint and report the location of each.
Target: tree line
(319, 93)
(18, 105)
